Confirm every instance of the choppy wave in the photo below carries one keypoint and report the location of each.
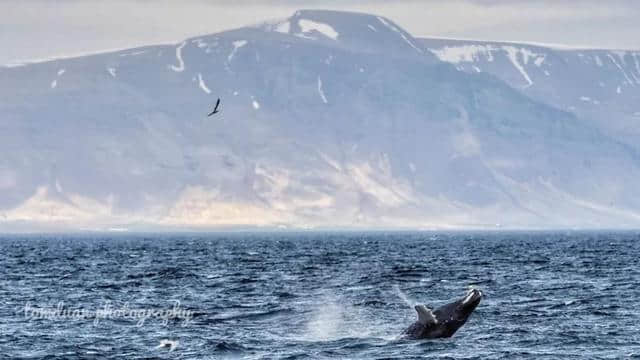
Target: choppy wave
(298, 296)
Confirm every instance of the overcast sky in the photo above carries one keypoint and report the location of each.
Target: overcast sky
(36, 29)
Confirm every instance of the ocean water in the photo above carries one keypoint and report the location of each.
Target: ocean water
(317, 295)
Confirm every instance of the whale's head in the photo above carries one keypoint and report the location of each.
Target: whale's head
(455, 314)
(466, 305)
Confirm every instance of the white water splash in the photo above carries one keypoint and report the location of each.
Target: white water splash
(410, 302)
(334, 319)
(326, 323)
(166, 343)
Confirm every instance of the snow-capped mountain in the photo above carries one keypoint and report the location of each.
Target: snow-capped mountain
(600, 86)
(327, 119)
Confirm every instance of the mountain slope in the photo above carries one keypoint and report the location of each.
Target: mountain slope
(324, 122)
(600, 86)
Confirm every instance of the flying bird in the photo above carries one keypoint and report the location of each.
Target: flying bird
(215, 110)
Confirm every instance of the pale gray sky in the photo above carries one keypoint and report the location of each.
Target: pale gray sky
(36, 29)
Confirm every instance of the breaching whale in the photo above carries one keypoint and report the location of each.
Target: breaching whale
(445, 320)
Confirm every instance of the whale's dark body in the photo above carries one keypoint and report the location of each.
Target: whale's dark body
(444, 321)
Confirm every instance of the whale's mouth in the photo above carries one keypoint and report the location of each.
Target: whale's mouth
(472, 298)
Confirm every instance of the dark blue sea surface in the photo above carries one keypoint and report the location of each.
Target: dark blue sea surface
(317, 295)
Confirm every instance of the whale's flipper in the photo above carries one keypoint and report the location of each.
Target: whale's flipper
(425, 315)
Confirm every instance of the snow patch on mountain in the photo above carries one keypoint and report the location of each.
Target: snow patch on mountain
(370, 180)
(202, 85)
(201, 44)
(236, 45)
(472, 53)
(180, 67)
(513, 56)
(402, 34)
(13, 65)
(308, 26)
(133, 53)
(464, 53)
(539, 60)
(619, 66)
(54, 83)
(321, 92)
(598, 61)
(283, 27)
